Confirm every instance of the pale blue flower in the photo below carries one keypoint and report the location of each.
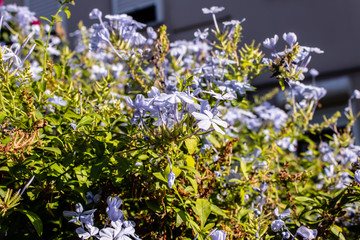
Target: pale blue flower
(91, 198)
(91, 231)
(329, 171)
(290, 38)
(218, 235)
(222, 96)
(283, 215)
(12, 54)
(171, 179)
(119, 231)
(270, 43)
(306, 233)
(113, 210)
(285, 235)
(95, 14)
(207, 119)
(356, 94)
(357, 176)
(233, 22)
(199, 35)
(313, 72)
(73, 126)
(80, 215)
(277, 225)
(217, 174)
(287, 143)
(212, 10)
(58, 101)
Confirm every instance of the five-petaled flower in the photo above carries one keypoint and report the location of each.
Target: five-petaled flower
(207, 119)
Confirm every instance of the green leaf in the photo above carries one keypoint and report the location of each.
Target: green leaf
(191, 169)
(3, 115)
(51, 149)
(336, 230)
(46, 19)
(193, 182)
(159, 176)
(81, 175)
(86, 120)
(57, 168)
(175, 170)
(180, 218)
(68, 13)
(202, 209)
(56, 18)
(39, 43)
(4, 169)
(153, 205)
(218, 211)
(191, 144)
(38, 115)
(34, 219)
(70, 115)
(208, 227)
(58, 70)
(305, 199)
(190, 161)
(282, 84)
(143, 157)
(67, 72)
(214, 141)
(243, 168)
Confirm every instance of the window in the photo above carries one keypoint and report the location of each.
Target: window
(145, 11)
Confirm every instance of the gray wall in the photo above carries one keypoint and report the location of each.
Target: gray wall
(331, 25)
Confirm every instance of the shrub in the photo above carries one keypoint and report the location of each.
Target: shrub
(173, 135)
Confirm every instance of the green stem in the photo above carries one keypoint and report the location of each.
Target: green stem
(53, 19)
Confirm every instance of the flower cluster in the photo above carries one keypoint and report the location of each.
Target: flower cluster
(178, 128)
(119, 227)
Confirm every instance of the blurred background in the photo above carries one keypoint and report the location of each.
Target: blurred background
(331, 25)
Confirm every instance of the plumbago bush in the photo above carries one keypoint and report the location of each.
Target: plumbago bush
(129, 136)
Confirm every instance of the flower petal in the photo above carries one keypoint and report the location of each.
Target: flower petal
(204, 124)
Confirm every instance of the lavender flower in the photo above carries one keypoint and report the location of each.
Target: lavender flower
(91, 198)
(73, 126)
(171, 179)
(201, 35)
(79, 214)
(313, 72)
(91, 231)
(171, 176)
(306, 233)
(58, 101)
(217, 174)
(283, 215)
(212, 10)
(218, 235)
(356, 94)
(357, 176)
(119, 231)
(277, 225)
(271, 42)
(208, 119)
(113, 210)
(95, 14)
(285, 235)
(290, 38)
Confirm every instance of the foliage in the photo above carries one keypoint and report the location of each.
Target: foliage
(173, 133)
